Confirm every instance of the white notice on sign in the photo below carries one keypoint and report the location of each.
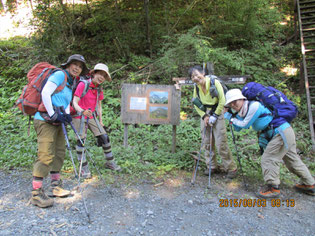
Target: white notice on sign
(138, 103)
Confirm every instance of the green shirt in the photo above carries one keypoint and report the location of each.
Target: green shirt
(207, 99)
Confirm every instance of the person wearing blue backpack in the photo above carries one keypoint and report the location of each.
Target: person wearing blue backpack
(276, 140)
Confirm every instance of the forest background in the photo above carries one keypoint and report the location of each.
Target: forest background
(150, 42)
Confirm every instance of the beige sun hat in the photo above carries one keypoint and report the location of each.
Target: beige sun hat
(232, 95)
(102, 67)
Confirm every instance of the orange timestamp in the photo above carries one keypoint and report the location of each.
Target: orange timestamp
(255, 202)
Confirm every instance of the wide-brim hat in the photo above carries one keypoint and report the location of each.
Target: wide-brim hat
(232, 95)
(76, 57)
(102, 67)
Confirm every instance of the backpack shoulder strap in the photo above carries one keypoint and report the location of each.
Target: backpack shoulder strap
(97, 99)
(86, 87)
(212, 81)
(64, 83)
(197, 90)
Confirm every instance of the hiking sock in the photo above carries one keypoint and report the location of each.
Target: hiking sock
(109, 156)
(84, 164)
(80, 153)
(54, 175)
(37, 182)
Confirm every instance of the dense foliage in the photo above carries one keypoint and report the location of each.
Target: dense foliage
(151, 42)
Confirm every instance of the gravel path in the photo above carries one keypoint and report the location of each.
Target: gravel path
(171, 207)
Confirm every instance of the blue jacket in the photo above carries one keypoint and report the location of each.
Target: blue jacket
(63, 98)
(257, 116)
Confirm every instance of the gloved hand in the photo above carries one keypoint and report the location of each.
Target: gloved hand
(68, 118)
(57, 117)
(212, 119)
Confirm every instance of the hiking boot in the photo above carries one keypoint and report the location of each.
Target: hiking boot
(231, 174)
(56, 190)
(85, 172)
(40, 199)
(213, 171)
(269, 191)
(308, 189)
(112, 165)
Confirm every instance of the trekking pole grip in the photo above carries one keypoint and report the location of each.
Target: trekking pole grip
(58, 109)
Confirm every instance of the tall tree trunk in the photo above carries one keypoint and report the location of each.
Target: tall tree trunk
(31, 4)
(64, 8)
(118, 16)
(88, 7)
(147, 18)
(68, 20)
(2, 6)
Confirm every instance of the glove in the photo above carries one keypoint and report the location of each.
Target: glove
(212, 119)
(58, 118)
(68, 118)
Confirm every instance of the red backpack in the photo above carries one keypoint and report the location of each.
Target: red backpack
(30, 100)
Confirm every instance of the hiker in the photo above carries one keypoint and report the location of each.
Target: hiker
(212, 116)
(244, 114)
(89, 109)
(50, 136)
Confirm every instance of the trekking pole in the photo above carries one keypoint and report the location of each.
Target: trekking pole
(210, 156)
(83, 145)
(67, 141)
(83, 153)
(97, 121)
(238, 156)
(87, 153)
(76, 175)
(197, 163)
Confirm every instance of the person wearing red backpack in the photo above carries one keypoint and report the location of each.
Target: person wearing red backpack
(50, 136)
(88, 105)
(278, 143)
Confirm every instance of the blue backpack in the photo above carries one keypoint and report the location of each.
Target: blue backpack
(283, 109)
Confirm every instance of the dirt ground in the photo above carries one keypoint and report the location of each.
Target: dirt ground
(170, 207)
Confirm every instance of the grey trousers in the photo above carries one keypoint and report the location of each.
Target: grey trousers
(219, 141)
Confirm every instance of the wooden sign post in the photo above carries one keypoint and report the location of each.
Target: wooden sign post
(150, 104)
(159, 104)
(209, 70)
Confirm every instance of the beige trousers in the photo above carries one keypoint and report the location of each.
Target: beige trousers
(97, 131)
(219, 140)
(276, 152)
(51, 148)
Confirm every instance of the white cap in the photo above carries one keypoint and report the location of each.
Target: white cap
(232, 95)
(102, 67)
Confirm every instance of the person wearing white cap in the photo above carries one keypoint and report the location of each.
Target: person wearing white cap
(211, 116)
(88, 105)
(278, 144)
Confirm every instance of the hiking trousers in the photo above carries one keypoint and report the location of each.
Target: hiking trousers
(276, 152)
(51, 148)
(97, 132)
(92, 126)
(219, 140)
